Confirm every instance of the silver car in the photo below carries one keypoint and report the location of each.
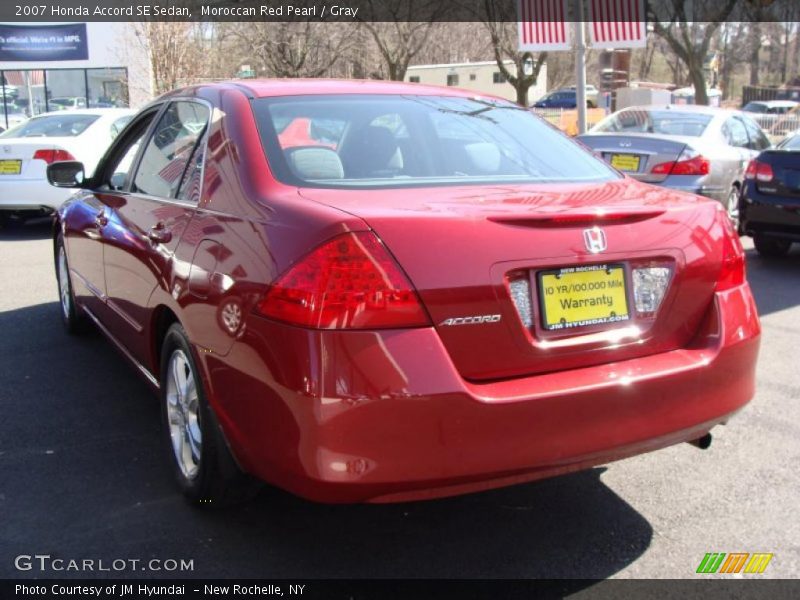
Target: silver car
(696, 149)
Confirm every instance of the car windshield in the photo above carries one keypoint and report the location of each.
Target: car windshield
(397, 141)
(664, 121)
(52, 126)
(755, 107)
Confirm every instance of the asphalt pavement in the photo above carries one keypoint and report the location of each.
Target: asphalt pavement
(82, 476)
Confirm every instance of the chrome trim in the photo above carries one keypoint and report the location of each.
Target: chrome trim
(88, 285)
(123, 315)
(144, 371)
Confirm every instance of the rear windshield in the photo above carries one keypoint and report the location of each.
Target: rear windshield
(665, 122)
(395, 141)
(790, 143)
(52, 126)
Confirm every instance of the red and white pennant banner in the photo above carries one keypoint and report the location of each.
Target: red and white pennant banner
(543, 25)
(617, 24)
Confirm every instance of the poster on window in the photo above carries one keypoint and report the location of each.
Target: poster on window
(24, 43)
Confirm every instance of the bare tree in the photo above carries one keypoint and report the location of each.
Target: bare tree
(499, 19)
(292, 49)
(690, 40)
(403, 36)
(174, 52)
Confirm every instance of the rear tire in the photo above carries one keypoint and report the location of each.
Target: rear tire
(71, 315)
(771, 247)
(204, 468)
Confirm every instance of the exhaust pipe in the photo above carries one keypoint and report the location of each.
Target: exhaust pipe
(704, 443)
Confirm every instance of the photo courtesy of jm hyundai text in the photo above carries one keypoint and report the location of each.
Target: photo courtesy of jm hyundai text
(365, 291)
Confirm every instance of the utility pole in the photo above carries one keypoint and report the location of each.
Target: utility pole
(580, 66)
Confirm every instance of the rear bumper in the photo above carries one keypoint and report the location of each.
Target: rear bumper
(696, 185)
(769, 215)
(31, 194)
(369, 416)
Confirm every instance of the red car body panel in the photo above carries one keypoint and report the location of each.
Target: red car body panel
(388, 415)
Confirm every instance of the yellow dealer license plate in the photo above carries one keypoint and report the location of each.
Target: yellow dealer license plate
(625, 162)
(583, 296)
(10, 167)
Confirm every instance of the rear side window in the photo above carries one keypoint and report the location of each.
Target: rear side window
(170, 149)
(52, 126)
(389, 141)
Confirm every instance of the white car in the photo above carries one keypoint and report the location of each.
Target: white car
(27, 149)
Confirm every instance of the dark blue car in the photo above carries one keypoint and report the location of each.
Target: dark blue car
(769, 209)
(562, 99)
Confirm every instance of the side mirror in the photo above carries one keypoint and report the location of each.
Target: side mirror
(66, 174)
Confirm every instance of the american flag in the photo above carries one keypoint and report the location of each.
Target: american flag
(617, 24)
(542, 25)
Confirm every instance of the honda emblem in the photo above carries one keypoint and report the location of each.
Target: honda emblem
(595, 240)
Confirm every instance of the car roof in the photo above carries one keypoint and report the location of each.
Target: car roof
(265, 88)
(692, 108)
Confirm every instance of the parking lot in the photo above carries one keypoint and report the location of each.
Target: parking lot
(82, 475)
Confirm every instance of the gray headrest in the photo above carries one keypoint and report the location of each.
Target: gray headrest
(314, 162)
(484, 156)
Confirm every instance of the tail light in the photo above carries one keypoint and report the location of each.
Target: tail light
(51, 155)
(759, 170)
(349, 282)
(733, 269)
(690, 162)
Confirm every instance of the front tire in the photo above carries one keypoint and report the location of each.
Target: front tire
(203, 466)
(71, 315)
(771, 247)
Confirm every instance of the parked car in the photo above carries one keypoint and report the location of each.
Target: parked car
(776, 117)
(770, 204)
(66, 103)
(27, 149)
(566, 98)
(592, 94)
(697, 149)
(319, 316)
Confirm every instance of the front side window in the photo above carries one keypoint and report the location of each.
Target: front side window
(735, 133)
(169, 150)
(664, 121)
(399, 141)
(758, 140)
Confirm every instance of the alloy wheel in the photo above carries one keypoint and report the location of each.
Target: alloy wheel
(183, 414)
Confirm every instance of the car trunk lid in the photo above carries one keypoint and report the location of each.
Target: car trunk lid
(17, 157)
(637, 154)
(785, 166)
(465, 248)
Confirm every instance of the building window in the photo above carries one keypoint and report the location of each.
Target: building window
(497, 77)
(472, 76)
(452, 79)
(414, 78)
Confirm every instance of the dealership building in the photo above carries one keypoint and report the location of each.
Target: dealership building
(57, 66)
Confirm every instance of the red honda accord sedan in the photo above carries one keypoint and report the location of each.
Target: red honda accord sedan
(363, 291)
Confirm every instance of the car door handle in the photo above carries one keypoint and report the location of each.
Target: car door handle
(159, 234)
